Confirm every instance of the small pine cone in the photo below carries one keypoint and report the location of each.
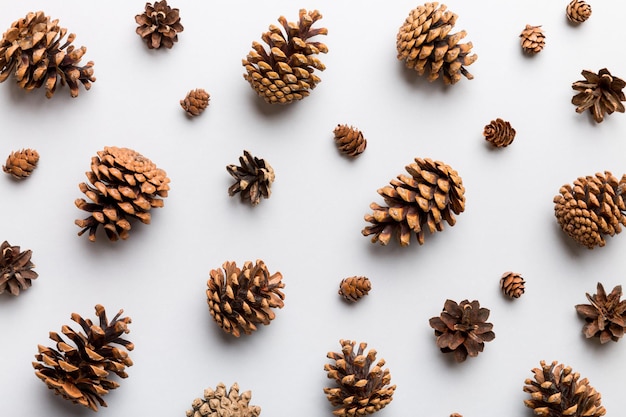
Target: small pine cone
(285, 73)
(591, 208)
(21, 164)
(577, 11)
(499, 133)
(354, 288)
(599, 93)
(605, 316)
(462, 329)
(126, 185)
(425, 44)
(16, 269)
(222, 402)
(512, 284)
(241, 299)
(349, 140)
(34, 51)
(159, 25)
(532, 39)
(80, 373)
(195, 102)
(432, 193)
(557, 391)
(253, 178)
(360, 389)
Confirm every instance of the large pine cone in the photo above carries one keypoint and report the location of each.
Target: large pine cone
(16, 269)
(285, 73)
(21, 164)
(532, 39)
(349, 140)
(159, 25)
(499, 133)
(34, 51)
(433, 193)
(361, 389)
(599, 93)
(79, 369)
(557, 391)
(605, 316)
(220, 402)
(253, 178)
(241, 299)
(591, 208)
(125, 185)
(425, 44)
(578, 11)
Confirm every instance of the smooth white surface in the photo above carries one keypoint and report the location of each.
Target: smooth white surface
(310, 228)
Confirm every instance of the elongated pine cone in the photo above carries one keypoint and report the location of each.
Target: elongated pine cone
(241, 299)
(432, 193)
(557, 391)
(578, 11)
(159, 25)
(360, 388)
(79, 369)
(605, 316)
(499, 133)
(253, 178)
(34, 51)
(195, 102)
(591, 208)
(425, 44)
(462, 329)
(512, 284)
(16, 269)
(220, 402)
(21, 164)
(600, 93)
(125, 185)
(286, 71)
(532, 39)
(354, 288)
(349, 140)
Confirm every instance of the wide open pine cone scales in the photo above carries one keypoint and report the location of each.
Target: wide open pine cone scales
(432, 193)
(499, 133)
(425, 43)
(285, 72)
(349, 140)
(362, 385)
(33, 50)
(253, 179)
(16, 269)
(159, 25)
(578, 11)
(79, 368)
(125, 185)
(532, 39)
(21, 164)
(220, 402)
(352, 289)
(600, 93)
(605, 315)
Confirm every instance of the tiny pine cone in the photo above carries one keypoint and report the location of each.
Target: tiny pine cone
(349, 140)
(499, 133)
(195, 102)
(354, 288)
(532, 39)
(578, 11)
(21, 164)
(512, 284)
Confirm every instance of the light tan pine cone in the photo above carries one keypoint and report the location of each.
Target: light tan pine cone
(220, 402)
(349, 140)
(499, 133)
(253, 178)
(605, 316)
(600, 93)
(21, 164)
(532, 39)
(578, 11)
(512, 284)
(354, 288)
(195, 102)
(16, 269)
(159, 25)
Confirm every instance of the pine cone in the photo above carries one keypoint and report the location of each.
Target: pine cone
(600, 93)
(425, 44)
(159, 25)
(499, 133)
(253, 178)
(354, 288)
(21, 164)
(125, 185)
(556, 391)
(349, 140)
(605, 316)
(577, 11)
(462, 329)
(532, 39)
(591, 208)
(16, 269)
(80, 373)
(432, 193)
(285, 73)
(512, 284)
(360, 389)
(195, 102)
(221, 402)
(34, 50)
(241, 299)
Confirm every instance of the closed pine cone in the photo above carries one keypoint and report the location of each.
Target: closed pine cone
(577, 11)
(125, 185)
(16, 269)
(34, 51)
(532, 39)
(80, 372)
(354, 288)
(349, 140)
(220, 402)
(360, 388)
(195, 102)
(499, 133)
(286, 72)
(601, 93)
(159, 25)
(591, 208)
(512, 284)
(425, 44)
(21, 164)
(253, 178)
(605, 316)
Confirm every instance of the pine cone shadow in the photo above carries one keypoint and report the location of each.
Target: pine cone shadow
(270, 110)
(35, 101)
(573, 249)
(421, 83)
(61, 406)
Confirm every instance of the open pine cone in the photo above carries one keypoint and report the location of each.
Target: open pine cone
(499, 133)
(33, 50)
(78, 369)
(21, 164)
(600, 93)
(253, 178)
(605, 316)
(532, 39)
(16, 269)
(353, 289)
(159, 25)
(578, 11)
(349, 140)
(222, 402)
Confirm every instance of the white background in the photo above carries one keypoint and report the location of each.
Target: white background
(310, 227)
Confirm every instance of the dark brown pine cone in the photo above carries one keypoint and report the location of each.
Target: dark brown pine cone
(499, 133)
(159, 25)
(578, 11)
(223, 402)
(195, 102)
(605, 316)
(512, 284)
(354, 288)
(349, 140)
(16, 269)
(600, 93)
(21, 164)
(253, 178)
(532, 39)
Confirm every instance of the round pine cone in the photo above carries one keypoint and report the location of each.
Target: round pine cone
(354, 288)
(578, 11)
(159, 25)
(532, 39)
(512, 284)
(349, 140)
(195, 102)
(21, 164)
(16, 269)
(222, 402)
(125, 185)
(499, 133)
(605, 316)
(253, 178)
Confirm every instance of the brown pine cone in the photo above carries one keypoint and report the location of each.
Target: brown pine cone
(354, 288)
(600, 93)
(222, 402)
(195, 102)
(532, 39)
(253, 178)
(16, 269)
(499, 133)
(605, 316)
(577, 11)
(159, 25)
(349, 140)
(21, 164)
(512, 284)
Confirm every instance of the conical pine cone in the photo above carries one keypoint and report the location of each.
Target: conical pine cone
(349, 140)
(462, 329)
(34, 51)
(125, 185)
(361, 389)
(605, 316)
(253, 178)
(499, 133)
(512, 284)
(577, 11)
(557, 391)
(220, 402)
(78, 369)
(532, 39)
(591, 208)
(241, 299)
(285, 73)
(195, 102)
(354, 288)
(159, 25)
(432, 193)
(21, 164)
(601, 93)
(16, 269)
(425, 44)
